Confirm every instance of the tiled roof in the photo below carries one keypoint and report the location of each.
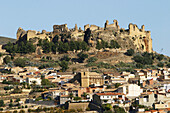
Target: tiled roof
(109, 93)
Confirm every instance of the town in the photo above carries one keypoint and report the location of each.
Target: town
(103, 70)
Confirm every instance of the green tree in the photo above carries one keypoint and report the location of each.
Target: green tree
(77, 98)
(17, 100)
(160, 64)
(46, 46)
(63, 47)
(139, 65)
(64, 65)
(1, 103)
(84, 94)
(117, 85)
(168, 65)
(71, 95)
(114, 44)
(7, 59)
(15, 111)
(46, 83)
(107, 107)
(84, 46)
(98, 45)
(11, 101)
(11, 105)
(55, 39)
(73, 46)
(118, 109)
(21, 62)
(82, 56)
(8, 47)
(160, 57)
(130, 52)
(66, 58)
(92, 59)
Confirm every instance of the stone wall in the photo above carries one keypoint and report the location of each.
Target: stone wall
(133, 37)
(76, 106)
(30, 34)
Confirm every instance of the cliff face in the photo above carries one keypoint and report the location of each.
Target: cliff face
(133, 37)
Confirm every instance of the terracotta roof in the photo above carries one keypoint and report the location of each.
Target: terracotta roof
(153, 110)
(148, 93)
(64, 95)
(168, 109)
(109, 93)
(147, 111)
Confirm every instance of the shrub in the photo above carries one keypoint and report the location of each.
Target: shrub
(79, 110)
(21, 62)
(87, 109)
(10, 105)
(160, 57)
(117, 85)
(82, 56)
(72, 110)
(66, 58)
(64, 65)
(1, 109)
(21, 111)
(7, 59)
(160, 64)
(168, 65)
(143, 59)
(107, 107)
(17, 100)
(15, 111)
(130, 52)
(77, 98)
(139, 65)
(92, 59)
(118, 109)
(1, 103)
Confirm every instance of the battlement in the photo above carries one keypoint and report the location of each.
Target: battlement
(111, 26)
(60, 28)
(91, 27)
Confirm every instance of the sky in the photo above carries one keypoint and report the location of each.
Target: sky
(43, 14)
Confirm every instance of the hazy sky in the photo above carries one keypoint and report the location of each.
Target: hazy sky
(43, 14)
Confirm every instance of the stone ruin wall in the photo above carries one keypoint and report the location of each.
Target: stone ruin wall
(30, 34)
(133, 37)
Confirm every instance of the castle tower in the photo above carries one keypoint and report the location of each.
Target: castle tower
(149, 48)
(142, 28)
(76, 28)
(131, 28)
(84, 79)
(107, 23)
(115, 22)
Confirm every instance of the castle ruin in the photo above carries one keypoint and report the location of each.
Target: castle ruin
(133, 37)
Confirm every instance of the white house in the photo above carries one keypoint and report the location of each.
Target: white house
(131, 90)
(32, 80)
(108, 97)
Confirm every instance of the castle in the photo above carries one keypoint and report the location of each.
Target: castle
(133, 37)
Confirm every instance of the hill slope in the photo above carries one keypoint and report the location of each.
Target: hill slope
(4, 40)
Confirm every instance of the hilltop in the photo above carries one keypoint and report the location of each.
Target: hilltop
(100, 49)
(133, 37)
